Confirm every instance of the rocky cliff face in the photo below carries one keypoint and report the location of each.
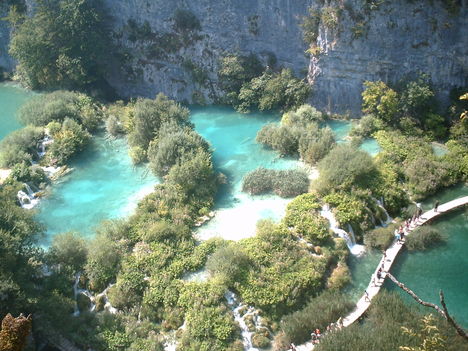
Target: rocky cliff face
(393, 41)
(182, 62)
(6, 62)
(372, 40)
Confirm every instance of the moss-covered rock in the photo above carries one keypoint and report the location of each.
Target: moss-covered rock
(83, 302)
(260, 341)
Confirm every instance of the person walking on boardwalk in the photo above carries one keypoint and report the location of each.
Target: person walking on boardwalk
(436, 205)
(366, 296)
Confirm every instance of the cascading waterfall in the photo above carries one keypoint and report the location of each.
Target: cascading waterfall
(27, 200)
(388, 219)
(354, 248)
(41, 145)
(236, 307)
(77, 291)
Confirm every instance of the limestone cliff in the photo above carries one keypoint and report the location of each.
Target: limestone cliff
(371, 40)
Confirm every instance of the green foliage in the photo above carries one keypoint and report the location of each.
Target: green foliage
(318, 313)
(310, 25)
(423, 238)
(69, 140)
(104, 254)
(283, 272)
(174, 144)
(368, 124)
(63, 44)
(382, 330)
(380, 100)
(18, 235)
(69, 250)
(20, 146)
(340, 276)
(59, 105)
(380, 238)
(229, 262)
(303, 218)
(21, 172)
(285, 183)
(273, 91)
(150, 115)
(299, 133)
(345, 167)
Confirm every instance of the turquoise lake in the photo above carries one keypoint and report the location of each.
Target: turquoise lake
(11, 98)
(105, 185)
(442, 267)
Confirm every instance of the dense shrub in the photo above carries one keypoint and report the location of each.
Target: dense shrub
(21, 172)
(285, 183)
(68, 140)
(234, 71)
(314, 144)
(20, 146)
(380, 238)
(345, 167)
(150, 115)
(273, 91)
(64, 44)
(59, 105)
(380, 100)
(172, 146)
(368, 124)
(230, 262)
(318, 313)
(423, 238)
(69, 251)
(283, 273)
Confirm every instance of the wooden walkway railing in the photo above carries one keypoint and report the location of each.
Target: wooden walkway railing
(386, 263)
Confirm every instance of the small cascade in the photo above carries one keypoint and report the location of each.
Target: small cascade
(350, 239)
(27, 200)
(236, 308)
(77, 291)
(42, 144)
(388, 219)
(356, 249)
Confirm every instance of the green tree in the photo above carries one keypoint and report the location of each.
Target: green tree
(63, 44)
(380, 100)
(69, 250)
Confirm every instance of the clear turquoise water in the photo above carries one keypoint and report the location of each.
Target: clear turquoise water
(443, 267)
(11, 98)
(232, 137)
(103, 185)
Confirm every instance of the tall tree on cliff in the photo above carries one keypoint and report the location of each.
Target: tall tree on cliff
(62, 45)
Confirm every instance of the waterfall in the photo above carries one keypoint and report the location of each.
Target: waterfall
(41, 145)
(77, 291)
(236, 307)
(27, 201)
(355, 249)
(388, 219)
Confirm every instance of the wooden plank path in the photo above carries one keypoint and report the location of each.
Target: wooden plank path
(386, 263)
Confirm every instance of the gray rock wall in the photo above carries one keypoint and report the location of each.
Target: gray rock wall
(6, 62)
(264, 27)
(400, 39)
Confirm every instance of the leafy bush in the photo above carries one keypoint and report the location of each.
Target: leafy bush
(380, 100)
(368, 124)
(69, 140)
(21, 172)
(20, 146)
(229, 261)
(69, 250)
(285, 183)
(345, 167)
(185, 20)
(150, 115)
(314, 144)
(423, 238)
(172, 146)
(318, 313)
(380, 238)
(283, 273)
(340, 277)
(273, 91)
(63, 44)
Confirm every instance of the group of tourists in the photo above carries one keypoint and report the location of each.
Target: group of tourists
(316, 335)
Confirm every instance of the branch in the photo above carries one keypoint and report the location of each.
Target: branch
(443, 312)
(450, 320)
(416, 297)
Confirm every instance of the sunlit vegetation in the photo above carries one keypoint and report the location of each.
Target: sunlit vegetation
(64, 44)
(285, 183)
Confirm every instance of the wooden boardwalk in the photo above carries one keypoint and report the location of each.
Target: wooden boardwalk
(386, 263)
